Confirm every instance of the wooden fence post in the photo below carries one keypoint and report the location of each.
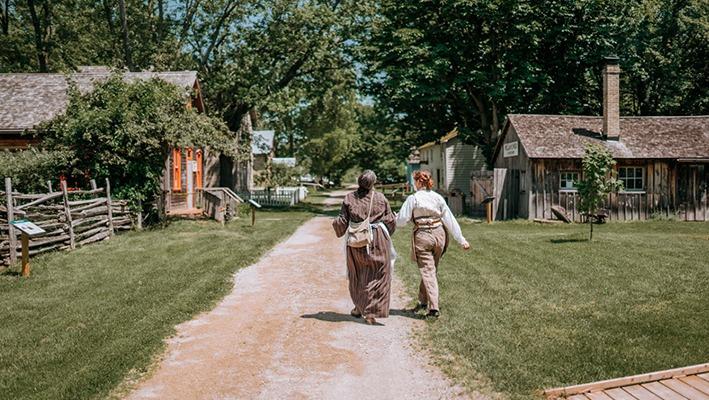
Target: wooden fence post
(67, 212)
(10, 217)
(140, 215)
(93, 184)
(25, 255)
(108, 205)
(49, 185)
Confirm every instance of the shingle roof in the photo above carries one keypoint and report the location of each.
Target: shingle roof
(444, 139)
(262, 142)
(565, 136)
(28, 99)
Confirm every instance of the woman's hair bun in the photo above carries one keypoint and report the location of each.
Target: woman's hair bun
(423, 177)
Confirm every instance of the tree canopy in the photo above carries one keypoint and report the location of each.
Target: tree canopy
(439, 64)
(417, 69)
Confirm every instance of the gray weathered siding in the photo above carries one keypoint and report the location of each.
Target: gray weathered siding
(461, 160)
(514, 199)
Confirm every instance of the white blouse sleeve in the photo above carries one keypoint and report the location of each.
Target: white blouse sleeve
(451, 224)
(404, 215)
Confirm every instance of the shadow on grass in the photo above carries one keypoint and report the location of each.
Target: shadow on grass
(304, 207)
(406, 313)
(9, 272)
(568, 240)
(331, 316)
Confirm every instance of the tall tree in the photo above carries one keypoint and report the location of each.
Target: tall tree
(42, 31)
(124, 33)
(5, 17)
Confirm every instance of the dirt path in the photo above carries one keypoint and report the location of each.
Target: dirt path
(285, 332)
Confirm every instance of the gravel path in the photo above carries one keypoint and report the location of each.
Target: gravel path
(285, 332)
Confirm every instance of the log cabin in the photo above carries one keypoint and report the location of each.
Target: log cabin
(663, 162)
(32, 98)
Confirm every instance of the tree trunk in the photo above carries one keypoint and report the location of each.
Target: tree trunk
(124, 27)
(590, 221)
(5, 17)
(109, 18)
(39, 42)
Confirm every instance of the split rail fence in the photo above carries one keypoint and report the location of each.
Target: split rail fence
(71, 218)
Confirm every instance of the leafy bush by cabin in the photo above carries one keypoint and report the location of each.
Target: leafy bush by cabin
(30, 170)
(123, 131)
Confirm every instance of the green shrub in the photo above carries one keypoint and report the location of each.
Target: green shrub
(31, 169)
(124, 131)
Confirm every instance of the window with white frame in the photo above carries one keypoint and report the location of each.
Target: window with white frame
(633, 178)
(568, 180)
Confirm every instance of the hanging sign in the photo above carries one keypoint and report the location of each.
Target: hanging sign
(27, 227)
(511, 149)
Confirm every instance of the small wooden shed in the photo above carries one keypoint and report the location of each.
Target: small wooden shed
(663, 163)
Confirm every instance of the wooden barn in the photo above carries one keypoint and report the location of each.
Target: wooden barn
(663, 162)
(32, 98)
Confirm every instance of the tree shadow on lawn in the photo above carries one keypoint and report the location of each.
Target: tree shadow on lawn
(568, 240)
(9, 272)
(311, 208)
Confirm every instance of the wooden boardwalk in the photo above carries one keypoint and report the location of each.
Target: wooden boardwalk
(688, 383)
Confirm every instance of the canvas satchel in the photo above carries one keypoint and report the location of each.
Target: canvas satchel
(359, 234)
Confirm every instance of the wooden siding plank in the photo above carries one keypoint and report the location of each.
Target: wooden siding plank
(697, 383)
(577, 397)
(663, 391)
(598, 396)
(641, 393)
(684, 389)
(619, 394)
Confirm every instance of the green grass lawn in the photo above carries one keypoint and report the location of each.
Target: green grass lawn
(317, 197)
(532, 307)
(87, 319)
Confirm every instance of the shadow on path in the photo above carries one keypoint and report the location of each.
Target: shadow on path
(406, 313)
(331, 316)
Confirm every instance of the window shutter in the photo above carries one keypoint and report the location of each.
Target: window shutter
(176, 169)
(199, 168)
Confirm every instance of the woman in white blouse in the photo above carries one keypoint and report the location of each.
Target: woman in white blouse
(433, 222)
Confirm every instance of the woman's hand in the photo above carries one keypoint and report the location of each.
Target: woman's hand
(465, 245)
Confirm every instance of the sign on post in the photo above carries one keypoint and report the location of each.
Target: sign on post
(254, 205)
(28, 229)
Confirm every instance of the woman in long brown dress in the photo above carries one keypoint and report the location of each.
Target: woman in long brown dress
(368, 267)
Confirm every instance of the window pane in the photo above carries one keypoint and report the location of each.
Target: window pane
(621, 173)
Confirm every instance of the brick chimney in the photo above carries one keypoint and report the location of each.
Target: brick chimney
(611, 99)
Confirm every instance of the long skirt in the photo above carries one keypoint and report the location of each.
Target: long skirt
(369, 275)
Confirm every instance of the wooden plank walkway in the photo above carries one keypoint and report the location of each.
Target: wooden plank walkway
(688, 383)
